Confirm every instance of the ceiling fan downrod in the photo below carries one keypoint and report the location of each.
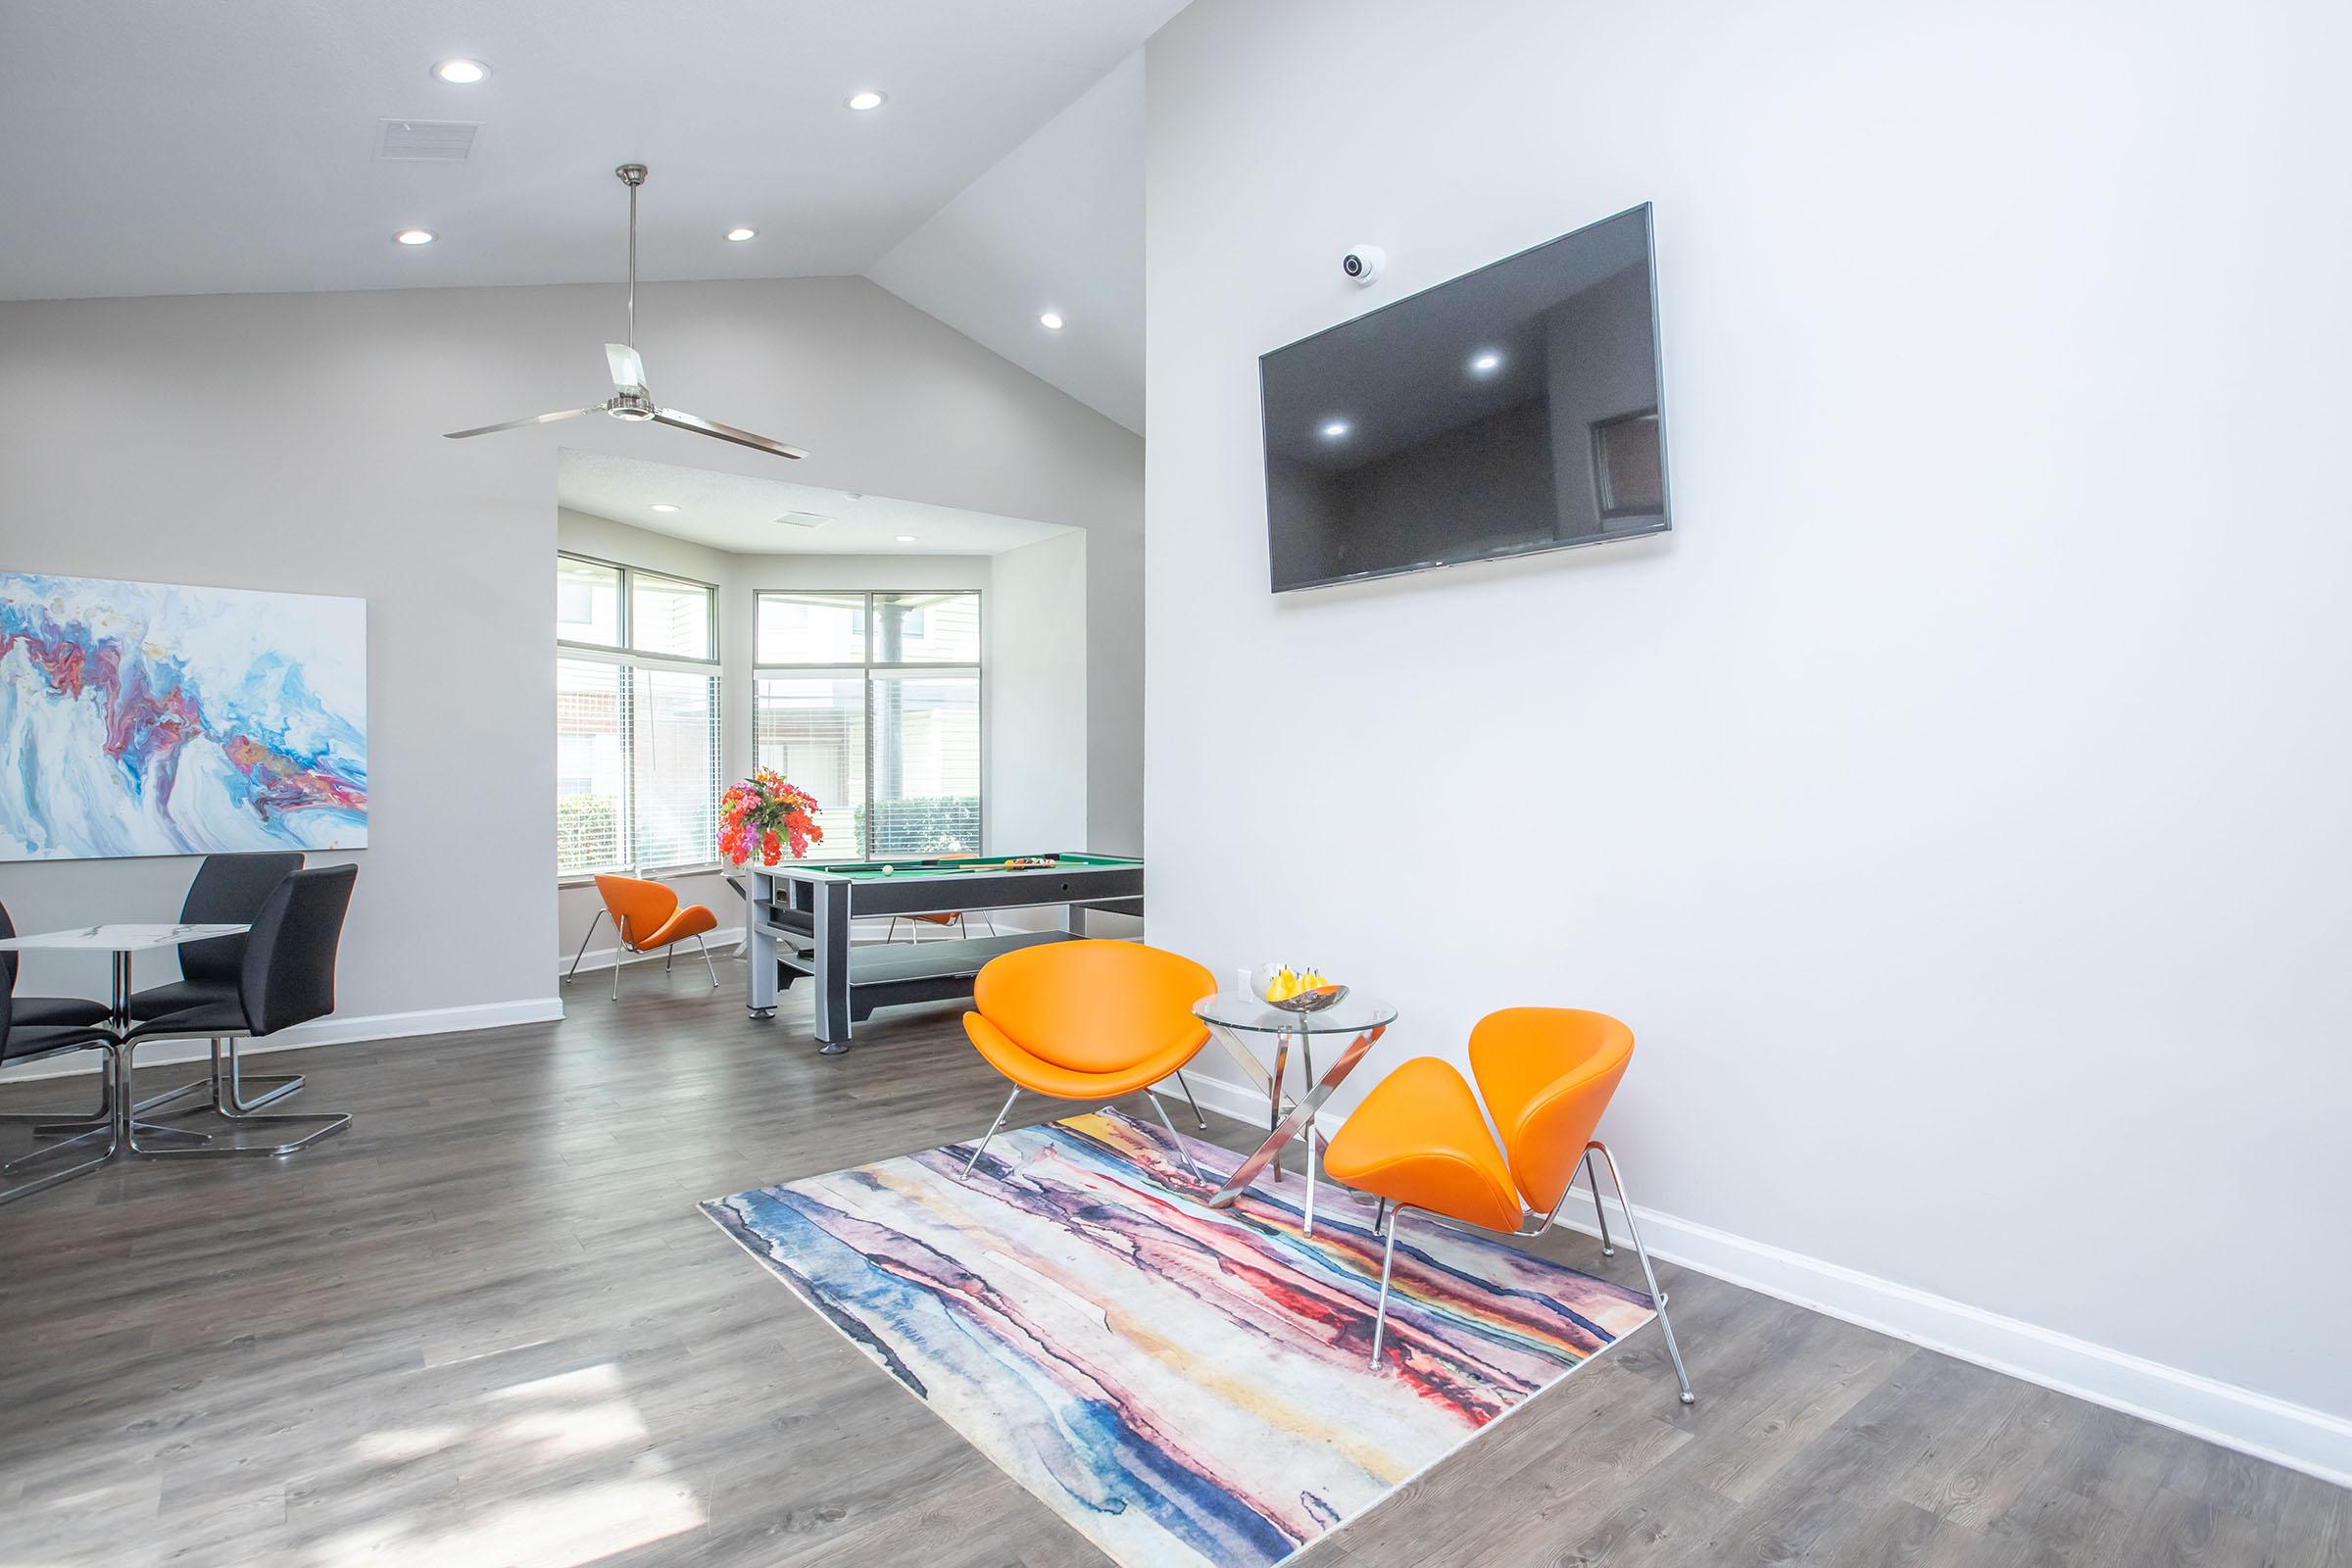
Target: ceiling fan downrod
(632, 176)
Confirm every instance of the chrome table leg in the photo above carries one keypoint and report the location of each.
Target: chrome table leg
(1306, 1052)
(1300, 1114)
(1282, 1075)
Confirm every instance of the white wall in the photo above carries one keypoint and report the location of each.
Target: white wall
(1036, 696)
(1057, 223)
(1954, 804)
(293, 442)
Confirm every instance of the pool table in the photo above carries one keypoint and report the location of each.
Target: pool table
(799, 914)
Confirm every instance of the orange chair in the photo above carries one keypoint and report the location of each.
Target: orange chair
(942, 920)
(1088, 1020)
(648, 918)
(1418, 1141)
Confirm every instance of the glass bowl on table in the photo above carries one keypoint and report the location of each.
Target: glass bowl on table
(1278, 985)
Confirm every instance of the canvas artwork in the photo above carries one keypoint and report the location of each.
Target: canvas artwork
(153, 719)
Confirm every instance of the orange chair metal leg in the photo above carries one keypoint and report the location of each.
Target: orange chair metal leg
(1600, 1217)
(1632, 1233)
(587, 937)
(1174, 1137)
(1388, 1261)
(1005, 1111)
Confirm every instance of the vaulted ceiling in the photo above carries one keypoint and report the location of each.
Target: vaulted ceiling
(236, 148)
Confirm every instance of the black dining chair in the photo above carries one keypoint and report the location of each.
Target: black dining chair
(22, 1042)
(286, 977)
(44, 1011)
(227, 890)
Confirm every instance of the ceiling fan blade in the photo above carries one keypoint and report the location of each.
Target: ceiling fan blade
(628, 371)
(516, 424)
(725, 432)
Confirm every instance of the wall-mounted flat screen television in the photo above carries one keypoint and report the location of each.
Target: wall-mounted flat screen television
(1513, 410)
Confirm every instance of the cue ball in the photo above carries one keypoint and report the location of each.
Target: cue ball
(889, 870)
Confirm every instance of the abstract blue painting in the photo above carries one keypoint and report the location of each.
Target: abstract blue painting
(150, 719)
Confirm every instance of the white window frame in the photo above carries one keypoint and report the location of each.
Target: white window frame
(626, 659)
(865, 669)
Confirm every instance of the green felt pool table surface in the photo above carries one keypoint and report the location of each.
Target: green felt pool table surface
(962, 865)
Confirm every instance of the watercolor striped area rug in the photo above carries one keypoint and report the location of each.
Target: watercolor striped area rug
(1185, 1385)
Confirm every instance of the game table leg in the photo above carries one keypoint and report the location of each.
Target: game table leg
(833, 969)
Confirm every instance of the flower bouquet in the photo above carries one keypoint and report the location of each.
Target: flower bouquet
(766, 812)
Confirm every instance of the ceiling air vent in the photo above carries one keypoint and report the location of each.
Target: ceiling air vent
(438, 141)
(804, 520)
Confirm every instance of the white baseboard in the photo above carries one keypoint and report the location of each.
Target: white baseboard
(2296, 1436)
(1216, 1094)
(720, 942)
(330, 1031)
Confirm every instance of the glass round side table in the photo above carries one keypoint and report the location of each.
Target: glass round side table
(1236, 1017)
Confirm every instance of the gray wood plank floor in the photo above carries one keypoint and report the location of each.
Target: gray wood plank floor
(488, 1326)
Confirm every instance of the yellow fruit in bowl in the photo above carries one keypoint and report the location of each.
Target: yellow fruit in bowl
(1275, 982)
(1282, 982)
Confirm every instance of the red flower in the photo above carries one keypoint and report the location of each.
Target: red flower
(766, 811)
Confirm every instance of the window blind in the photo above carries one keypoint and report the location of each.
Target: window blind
(812, 729)
(591, 775)
(674, 785)
(871, 702)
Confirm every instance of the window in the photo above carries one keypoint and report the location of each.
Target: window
(637, 719)
(871, 702)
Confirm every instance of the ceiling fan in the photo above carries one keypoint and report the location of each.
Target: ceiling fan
(630, 400)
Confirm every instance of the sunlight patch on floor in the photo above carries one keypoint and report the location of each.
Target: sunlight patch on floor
(533, 1493)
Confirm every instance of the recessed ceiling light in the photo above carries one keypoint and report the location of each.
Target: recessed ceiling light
(906, 538)
(1486, 362)
(664, 506)
(739, 234)
(414, 236)
(461, 72)
(1052, 321)
(1335, 429)
(868, 99)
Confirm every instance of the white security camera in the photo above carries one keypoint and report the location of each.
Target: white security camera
(1363, 264)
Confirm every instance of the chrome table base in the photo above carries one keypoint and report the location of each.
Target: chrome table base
(1301, 1118)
